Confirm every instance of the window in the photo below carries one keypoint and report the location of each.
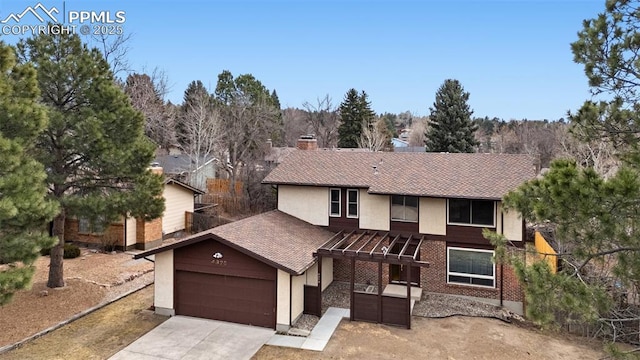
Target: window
(470, 267)
(472, 212)
(334, 202)
(404, 208)
(352, 203)
(85, 226)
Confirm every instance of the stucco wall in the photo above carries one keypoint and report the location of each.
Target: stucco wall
(512, 225)
(374, 211)
(433, 216)
(163, 283)
(178, 200)
(131, 231)
(282, 307)
(297, 296)
(311, 275)
(307, 203)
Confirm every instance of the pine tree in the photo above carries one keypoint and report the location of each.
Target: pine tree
(24, 210)
(355, 112)
(94, 149)
(451, 129)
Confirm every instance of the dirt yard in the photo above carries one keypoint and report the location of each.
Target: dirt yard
(449, 338)
(98, 335)
(91, 279)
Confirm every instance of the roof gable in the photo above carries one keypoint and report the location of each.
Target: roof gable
(275, 238)
(171, 181)
(486, 176)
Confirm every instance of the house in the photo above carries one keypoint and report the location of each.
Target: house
(181, 167)
(402, 223)
(128, 233)
(399, 143)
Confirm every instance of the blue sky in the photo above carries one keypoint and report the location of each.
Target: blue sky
(513, 56)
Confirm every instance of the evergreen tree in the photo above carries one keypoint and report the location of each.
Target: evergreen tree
(355, 112)
(24, 209)
(451, 129)
(596, 237)
(94, 149)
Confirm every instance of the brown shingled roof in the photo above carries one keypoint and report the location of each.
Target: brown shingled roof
(274, 237)
(480, 176)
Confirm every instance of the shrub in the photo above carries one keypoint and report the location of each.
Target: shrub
(71, 251)
(45, 252)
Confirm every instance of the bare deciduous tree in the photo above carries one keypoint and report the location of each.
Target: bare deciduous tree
(114, 48)
(323, 120)
(146, 94)
(375, 137)
(245, 129)
(202, 127)
(418, 129)
(295, 125)
(599, 154)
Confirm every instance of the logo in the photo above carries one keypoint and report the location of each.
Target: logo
(40, 19)
(34, 11)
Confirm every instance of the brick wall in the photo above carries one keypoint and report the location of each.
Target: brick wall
(434, 277)
(366, 272)
(149, 233)
(115, 232)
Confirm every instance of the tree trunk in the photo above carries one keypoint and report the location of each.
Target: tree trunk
(56, 274)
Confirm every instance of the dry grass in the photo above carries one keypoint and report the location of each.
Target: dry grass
(448, 338)
(98, 335)
(90, 280)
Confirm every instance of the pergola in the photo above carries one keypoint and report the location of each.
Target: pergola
(377, 247)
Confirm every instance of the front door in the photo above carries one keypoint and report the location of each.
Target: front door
(398, 273)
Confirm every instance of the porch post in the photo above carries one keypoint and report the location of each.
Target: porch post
(380, 291)
(352, 288)
(319, 285)
(408, 296)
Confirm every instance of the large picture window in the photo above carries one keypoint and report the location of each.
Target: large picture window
(404, 208)
(470, 267)
(472, 212)
(85, 226)
(352, 203)
(334, 202)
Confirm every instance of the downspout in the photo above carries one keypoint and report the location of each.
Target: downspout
(290, 300)
(124, 246)
(501, 263)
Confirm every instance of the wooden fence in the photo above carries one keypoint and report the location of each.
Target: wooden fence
(221, 186)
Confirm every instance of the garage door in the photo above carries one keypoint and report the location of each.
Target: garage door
(227, 298)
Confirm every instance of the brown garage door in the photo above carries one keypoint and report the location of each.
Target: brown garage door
(227, 298)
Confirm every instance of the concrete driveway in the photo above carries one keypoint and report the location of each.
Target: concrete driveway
(183, 337)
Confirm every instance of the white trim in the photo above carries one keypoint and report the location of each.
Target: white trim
(357, 203)
(470, 209)
(477, 276)
(339, 214)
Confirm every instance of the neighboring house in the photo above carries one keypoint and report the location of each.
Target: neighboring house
(402, 223)
(399, 143)
(128, 233)
(180, 166)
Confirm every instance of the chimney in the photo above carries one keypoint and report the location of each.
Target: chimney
(307, 142)
(156, 168)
